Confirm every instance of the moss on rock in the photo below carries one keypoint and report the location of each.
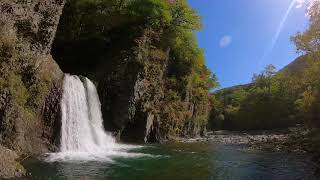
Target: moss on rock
(9, 166)
(29, 77)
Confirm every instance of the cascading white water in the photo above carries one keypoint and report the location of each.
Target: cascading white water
(82, 129)
(82, 133)
(101, 138)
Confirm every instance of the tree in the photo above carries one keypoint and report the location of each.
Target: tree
(309, 41)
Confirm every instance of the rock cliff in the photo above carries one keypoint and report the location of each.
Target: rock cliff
(30, 80)
(153, 86)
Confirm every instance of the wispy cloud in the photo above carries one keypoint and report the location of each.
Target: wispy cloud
(300, 3)
(225, 41)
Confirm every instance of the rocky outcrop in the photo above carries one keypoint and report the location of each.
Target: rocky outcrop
(132, 94)
(149, 90)
(51, 116)
(135, 96)
(36, 21)
(30, 80)
(8, 165)
(148, 94)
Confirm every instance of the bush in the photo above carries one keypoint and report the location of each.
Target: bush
(17, 89)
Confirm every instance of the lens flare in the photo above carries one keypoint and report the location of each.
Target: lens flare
(279, 30)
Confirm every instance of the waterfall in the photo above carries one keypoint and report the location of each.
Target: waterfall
(82, 129)
(82, 133)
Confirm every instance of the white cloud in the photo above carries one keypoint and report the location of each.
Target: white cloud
(300, 3)
(225, 41)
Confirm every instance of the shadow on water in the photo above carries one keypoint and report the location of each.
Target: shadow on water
(184, 161)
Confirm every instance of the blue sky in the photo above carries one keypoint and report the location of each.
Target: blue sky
(238, 36)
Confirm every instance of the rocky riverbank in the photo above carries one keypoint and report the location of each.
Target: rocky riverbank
(297, 139)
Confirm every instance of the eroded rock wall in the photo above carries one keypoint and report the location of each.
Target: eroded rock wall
(148, 92)
(30, 80)
(132, 93)
(36, 21)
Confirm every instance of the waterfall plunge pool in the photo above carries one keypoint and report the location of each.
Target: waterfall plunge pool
(198, 161)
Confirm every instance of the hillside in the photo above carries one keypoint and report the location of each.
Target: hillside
(270, 101)
(294, 68)
(298, 65)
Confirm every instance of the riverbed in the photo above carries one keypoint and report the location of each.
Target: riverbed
(196, 160)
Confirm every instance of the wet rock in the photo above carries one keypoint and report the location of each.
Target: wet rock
(295, 139)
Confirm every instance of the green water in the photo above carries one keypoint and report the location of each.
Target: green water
(177, 161)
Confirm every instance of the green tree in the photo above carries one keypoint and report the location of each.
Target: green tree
(309, 41)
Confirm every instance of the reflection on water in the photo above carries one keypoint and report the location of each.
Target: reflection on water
(184, 161)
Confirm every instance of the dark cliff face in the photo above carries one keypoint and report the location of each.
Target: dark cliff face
(121, 68)
(30, 80)
(149, 92)
(131, 74)
(128, 80)
(132, 96)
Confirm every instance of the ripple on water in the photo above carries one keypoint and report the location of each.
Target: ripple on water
(199, 161)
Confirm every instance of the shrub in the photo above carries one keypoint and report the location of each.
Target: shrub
(17, 89)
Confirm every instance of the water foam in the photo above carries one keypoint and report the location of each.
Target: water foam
(83, 137)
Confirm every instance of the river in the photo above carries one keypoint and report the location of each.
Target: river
(88, 152)
(194, 161)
